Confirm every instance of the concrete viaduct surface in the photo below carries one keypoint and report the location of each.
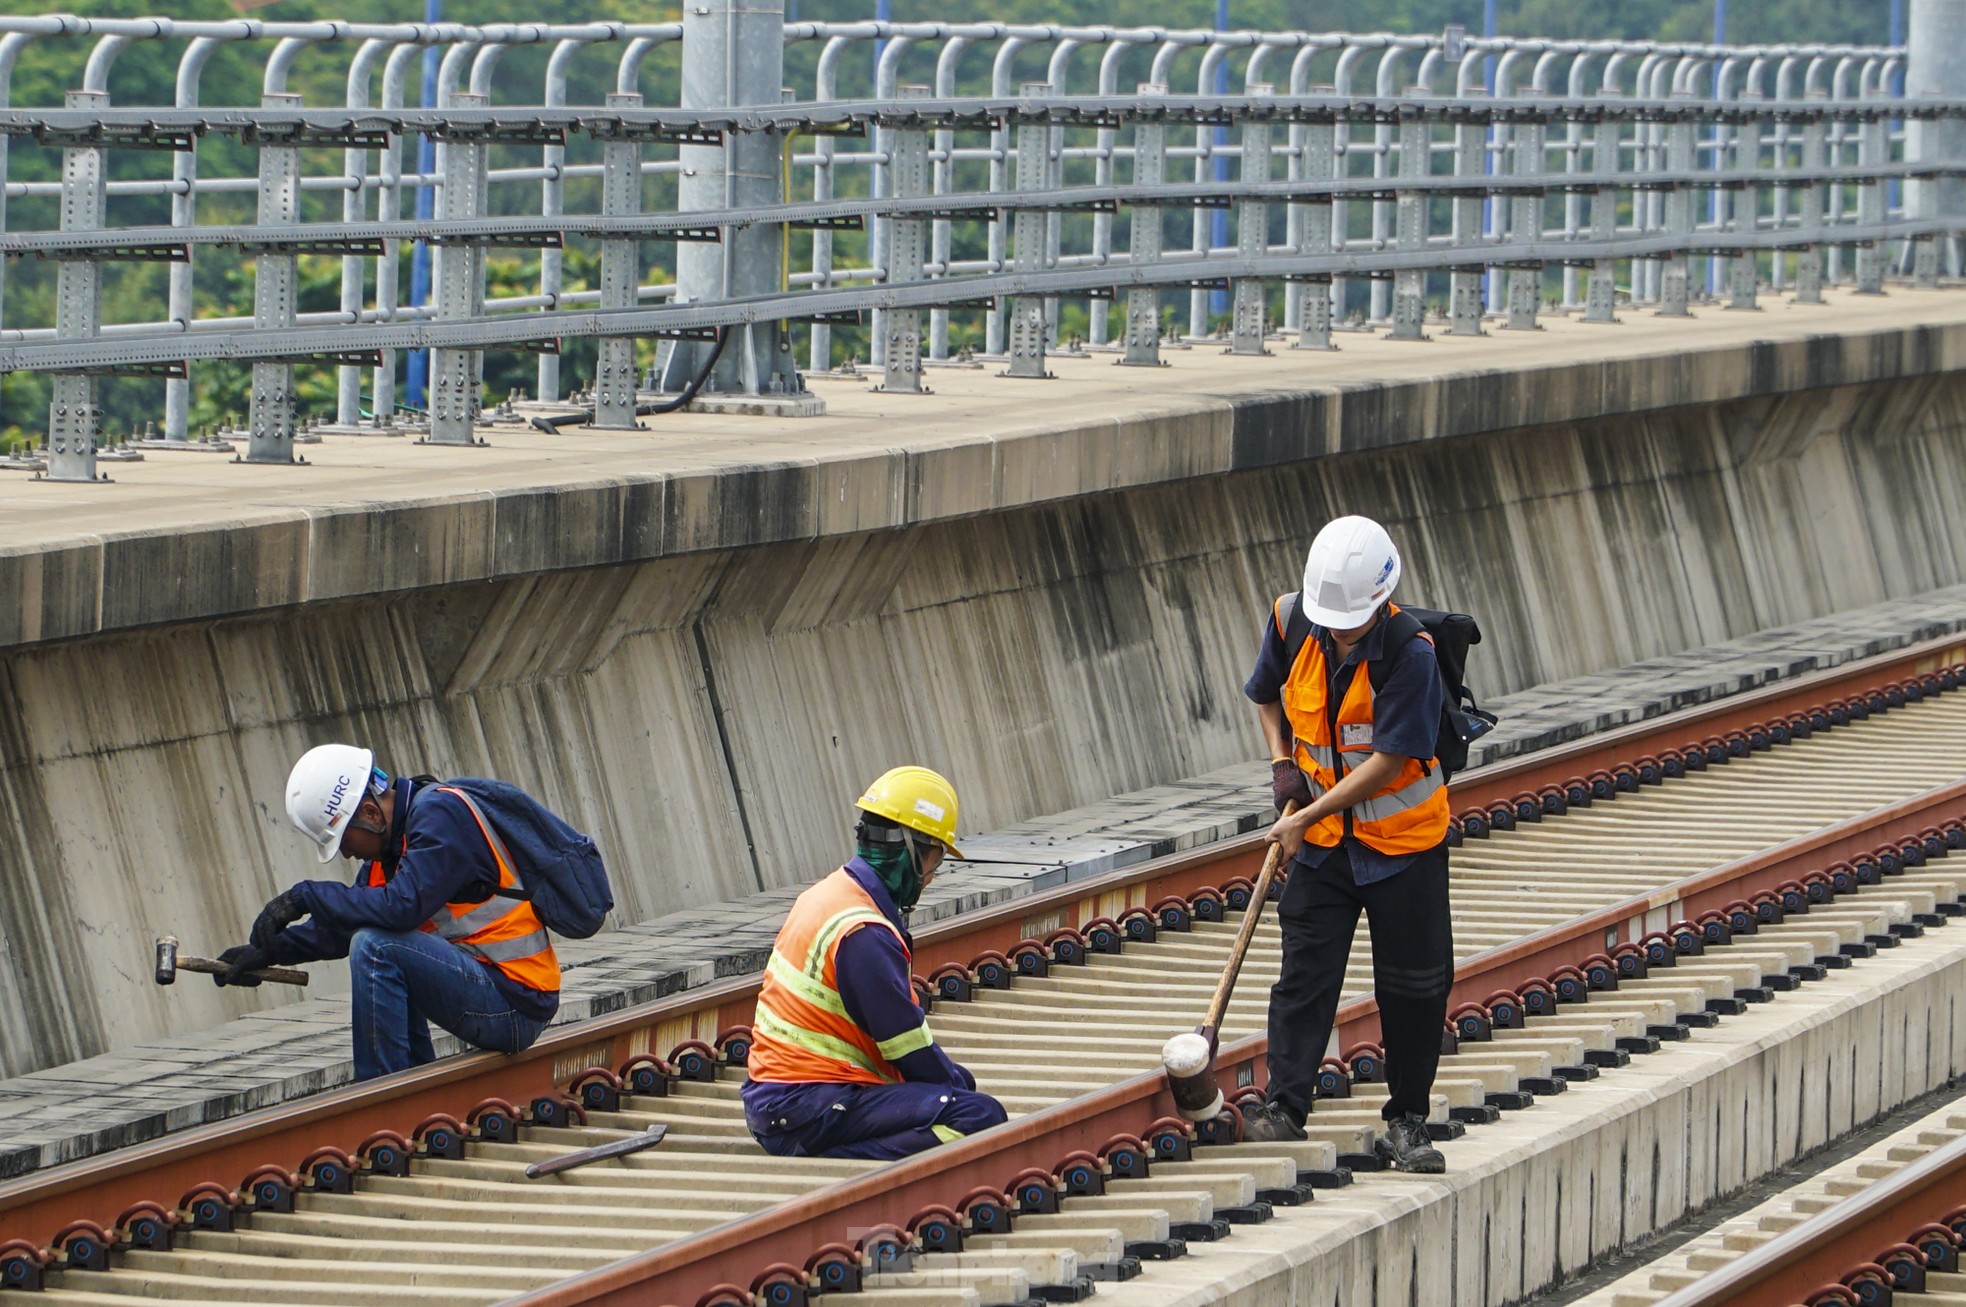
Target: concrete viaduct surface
(697, 640)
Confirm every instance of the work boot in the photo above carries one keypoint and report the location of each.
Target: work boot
(1266, 1123)
(1406, 1147)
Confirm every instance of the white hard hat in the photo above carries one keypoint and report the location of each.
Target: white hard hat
(1352, 569)
(324, 789)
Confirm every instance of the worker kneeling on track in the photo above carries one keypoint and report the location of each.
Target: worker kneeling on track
(842, 1063)
(1350, 703)
(427, 932)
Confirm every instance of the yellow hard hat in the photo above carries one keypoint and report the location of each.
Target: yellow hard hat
(917, 798)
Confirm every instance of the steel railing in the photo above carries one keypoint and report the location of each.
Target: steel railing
(1407, 174)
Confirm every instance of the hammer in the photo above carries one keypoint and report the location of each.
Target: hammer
(169, 963)
(1189, 1059)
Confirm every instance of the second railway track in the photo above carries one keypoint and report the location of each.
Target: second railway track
(1730, 855)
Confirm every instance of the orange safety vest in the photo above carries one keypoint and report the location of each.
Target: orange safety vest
(802, 1033)
(1410, 814)
(500, 932)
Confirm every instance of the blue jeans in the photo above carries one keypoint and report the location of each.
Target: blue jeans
(403, 980)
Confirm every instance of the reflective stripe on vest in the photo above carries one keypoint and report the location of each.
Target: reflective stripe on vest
(802, 1033)
(501, 932)
(1410, 814)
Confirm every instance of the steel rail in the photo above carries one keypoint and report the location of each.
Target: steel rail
(1823, 1249)
(694, 223)
(107, 353)
(33, 1207)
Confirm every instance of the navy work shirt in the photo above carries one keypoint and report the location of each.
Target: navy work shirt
(434, 854)
(878, 990)
(1405, 718)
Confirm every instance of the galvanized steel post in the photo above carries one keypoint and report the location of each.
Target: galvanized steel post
(1250, 302)
(1872, 150)
(907, 252)
(455, 400)
(1143, 302)
(1465, 294)
(1526, 226)
(74, 420)
(1320, 160)
(621, 274)
(1676, 275)
(1025, 313)
(1410, 232)
(1601, 294)
(276, 298)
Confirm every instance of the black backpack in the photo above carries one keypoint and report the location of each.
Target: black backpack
(1461, 721)
(560, 871)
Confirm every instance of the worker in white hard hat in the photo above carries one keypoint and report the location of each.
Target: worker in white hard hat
(842, 1062)
(428, 935)
(1349, 697)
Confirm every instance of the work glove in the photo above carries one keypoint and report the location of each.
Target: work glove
(239, 962)
(283, 911)
(1287, 784)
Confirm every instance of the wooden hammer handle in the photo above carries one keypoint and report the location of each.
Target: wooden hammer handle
(1258, 896)
(283, 975)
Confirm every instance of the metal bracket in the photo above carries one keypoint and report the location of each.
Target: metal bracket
(294, 135)
(357, 245)
(177, 369)
(525, 240)
(118, 136)
(140, 252)
(500, 132)
(616, 129)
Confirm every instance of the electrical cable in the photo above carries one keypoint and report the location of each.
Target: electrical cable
(585, 417)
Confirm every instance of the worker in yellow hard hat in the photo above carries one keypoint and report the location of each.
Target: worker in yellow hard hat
(842, 1061)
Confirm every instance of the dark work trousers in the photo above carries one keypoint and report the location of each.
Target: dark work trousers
(883, 1122)
(1412, 969)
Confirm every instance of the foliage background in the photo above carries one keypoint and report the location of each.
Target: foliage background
(145, 72)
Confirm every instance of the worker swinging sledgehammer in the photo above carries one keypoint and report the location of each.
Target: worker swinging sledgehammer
(1351, 703)
(447, 920)
(842, 1062)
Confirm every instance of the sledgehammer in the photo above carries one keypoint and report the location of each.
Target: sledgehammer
(1190, 1058)
(170, 962)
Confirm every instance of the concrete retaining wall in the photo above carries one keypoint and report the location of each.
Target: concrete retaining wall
(710, 716)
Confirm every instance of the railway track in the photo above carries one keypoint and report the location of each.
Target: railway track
(1610, 898)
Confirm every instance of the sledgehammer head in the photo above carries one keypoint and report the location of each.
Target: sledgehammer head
(166, 959)
(1189, 1058)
